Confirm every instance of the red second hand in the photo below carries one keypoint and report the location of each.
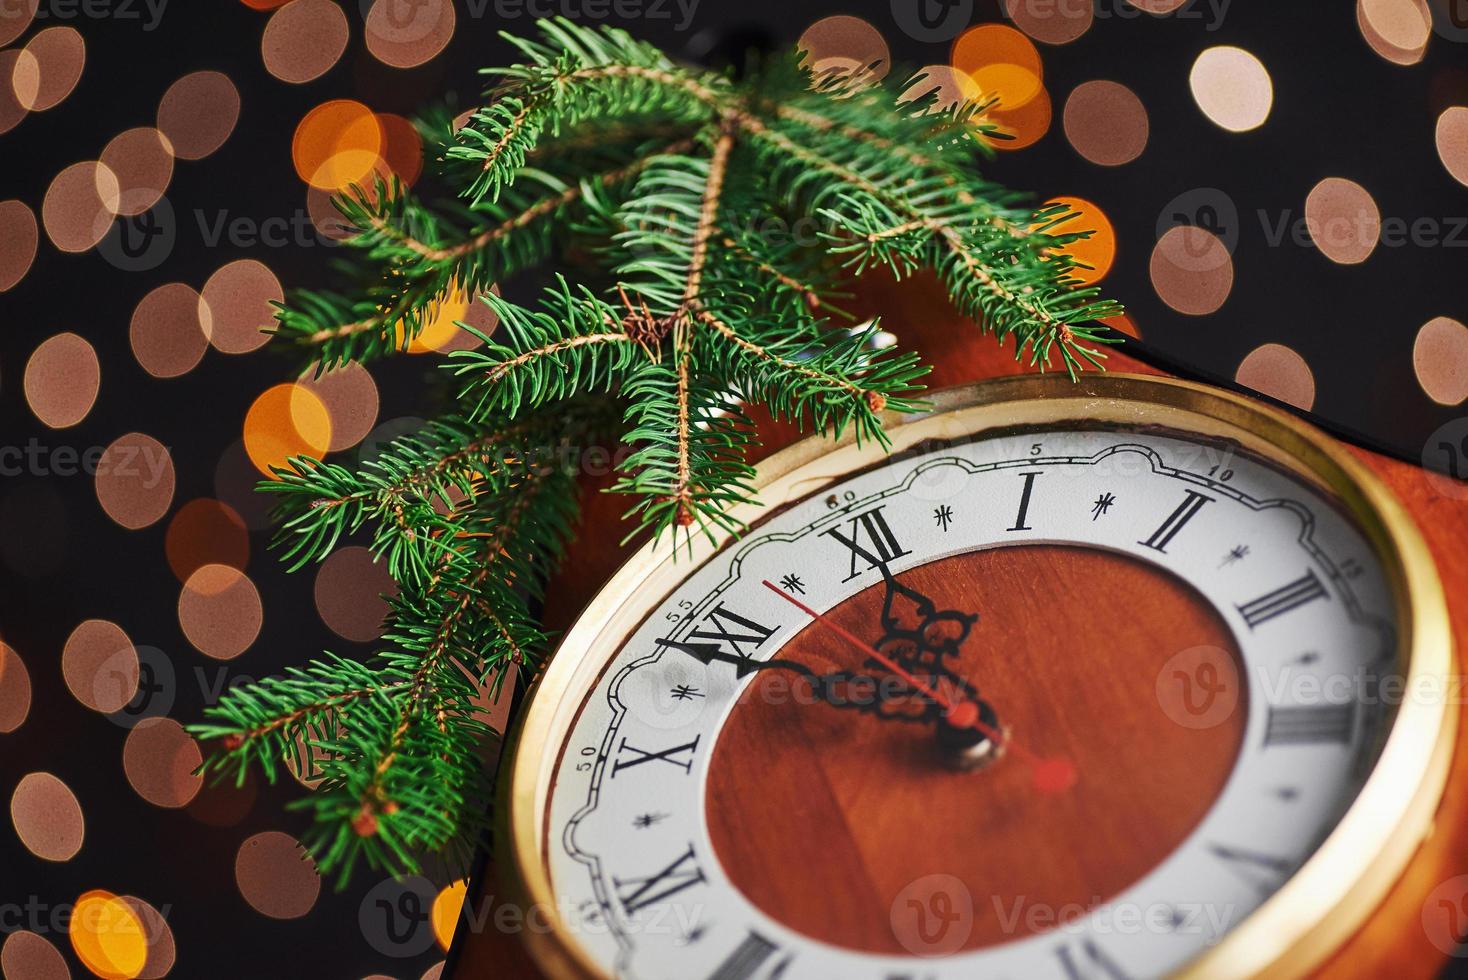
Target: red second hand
(1050, 775)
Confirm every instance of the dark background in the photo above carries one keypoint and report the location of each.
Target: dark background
(1339, 110)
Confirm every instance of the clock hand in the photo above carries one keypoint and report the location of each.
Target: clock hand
(824, 685)
(1049, 775)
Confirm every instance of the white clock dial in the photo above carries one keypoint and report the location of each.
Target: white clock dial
(640, 878)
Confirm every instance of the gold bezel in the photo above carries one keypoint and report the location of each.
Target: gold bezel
(1297, 927)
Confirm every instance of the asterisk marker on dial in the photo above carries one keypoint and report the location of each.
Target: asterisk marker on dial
(792, 584)
(1236, 553)
(1102, 505)
(943, 515)
(646, 820)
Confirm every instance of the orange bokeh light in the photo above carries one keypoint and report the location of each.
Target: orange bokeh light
(446, 908)
(1099, 251)
(1024, 126)
(107, 936)
(287, 420)
(1003, 62)
(337, 144)
(440, 332)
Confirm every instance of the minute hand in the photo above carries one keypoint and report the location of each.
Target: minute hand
(824, 685)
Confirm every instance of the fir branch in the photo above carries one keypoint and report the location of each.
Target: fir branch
(658, 189)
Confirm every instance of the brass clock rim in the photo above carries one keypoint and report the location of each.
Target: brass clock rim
(1326, 899)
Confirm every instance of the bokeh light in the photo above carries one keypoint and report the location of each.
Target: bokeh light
(276, 876)
(159, 759)
(349, 590)
(11, 111)
(1343, 220)
(1452, 141)
(447, 906)
(1232, 87)
(107, 936)
(62, 378)
(158, 937)
(1106, 123)
(337, 144)
(15, 690)
(402, 40)
(945, 85)
(1157, 7)
(79, 205)
(167, 331)
(1002, 61)
(1022, 127)
(1440, 360)
(1098, 252)
(48, 68)
(135, 480)
(198, 113)
(100, 665)
(236, 308)
(1054, 22)
(1279, 372)
(286, 420)
(845, 45)
(141, 160)
(303, 40)
(32, 957)
(19, 236)
(402, 148)
(47, 817)
(15, 18)
(350, 397)
(1397, 30)
(1191, 270)
(205, 532)
(219, 611)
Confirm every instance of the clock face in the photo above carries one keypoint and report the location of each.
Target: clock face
(1066, 703)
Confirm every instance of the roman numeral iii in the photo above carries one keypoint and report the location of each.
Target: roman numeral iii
(1310, 724)
(1306, 588)
(745, 962)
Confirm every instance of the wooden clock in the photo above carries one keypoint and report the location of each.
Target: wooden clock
(1122, 678)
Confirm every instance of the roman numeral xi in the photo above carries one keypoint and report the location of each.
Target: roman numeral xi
(871, 539)
(636, 894)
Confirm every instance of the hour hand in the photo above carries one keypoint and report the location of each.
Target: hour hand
(709, 653)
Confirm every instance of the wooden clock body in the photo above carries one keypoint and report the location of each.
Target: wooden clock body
(1401, 938)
